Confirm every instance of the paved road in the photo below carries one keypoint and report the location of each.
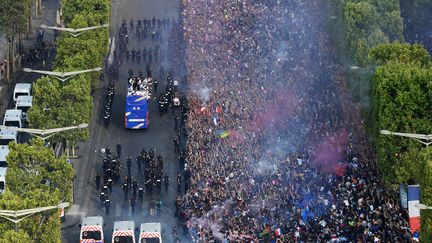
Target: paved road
(159, 135)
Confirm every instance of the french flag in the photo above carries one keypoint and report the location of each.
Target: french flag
(413, 211)
(278, 232)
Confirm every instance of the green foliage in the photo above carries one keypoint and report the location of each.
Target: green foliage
(400, 52)
(369, 23)
(426, 197)
(12, 236)
(70, 103)
(36, 178)
(13, 17)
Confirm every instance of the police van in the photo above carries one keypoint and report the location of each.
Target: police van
(23, 103)
(150, 233)
(92, 229)
(123, 232)
(21, 89)
(7, 136)
(3, 171)
(13, 118)
(4, 151)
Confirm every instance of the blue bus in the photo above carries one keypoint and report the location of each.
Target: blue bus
(137, 98)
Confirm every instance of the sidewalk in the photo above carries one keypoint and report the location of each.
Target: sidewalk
(48, 17)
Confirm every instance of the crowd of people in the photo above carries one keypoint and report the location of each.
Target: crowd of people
(271, 136)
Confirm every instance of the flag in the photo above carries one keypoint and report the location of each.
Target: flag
(278, 232)
(413, 211)
(215, 120)
(224, 134)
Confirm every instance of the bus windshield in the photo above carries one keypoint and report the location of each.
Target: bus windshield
(5, 141)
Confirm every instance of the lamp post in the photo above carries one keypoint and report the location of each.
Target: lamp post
(16, 216)
(423, 207)
(62, 76)
(425, 139)
(72, 31)
(44, 133)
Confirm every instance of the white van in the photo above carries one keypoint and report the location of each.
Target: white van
(150, 233)
(21, 89)
(4, 151)
(3, 171)
(13, 118)
(24, 102)
(7, 136)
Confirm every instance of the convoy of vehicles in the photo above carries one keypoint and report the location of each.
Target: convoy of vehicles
(137, 99)
(123, 231)
(14, 118)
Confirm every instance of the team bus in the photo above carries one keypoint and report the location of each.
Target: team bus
(137, 99)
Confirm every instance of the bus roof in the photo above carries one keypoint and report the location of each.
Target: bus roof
(8, 133)
(136, 100)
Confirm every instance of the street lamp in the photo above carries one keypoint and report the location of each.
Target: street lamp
(73, 32)
(62, 76)
(16, 216)
(425, 139)
(44, 133)
(423, 207)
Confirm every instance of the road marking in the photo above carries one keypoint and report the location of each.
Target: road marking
(74, 210)
(117, 209)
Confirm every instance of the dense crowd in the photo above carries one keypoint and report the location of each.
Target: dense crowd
(272, 139)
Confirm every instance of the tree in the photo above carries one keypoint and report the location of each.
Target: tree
(13, 21)
(400, 52)
(12, 236)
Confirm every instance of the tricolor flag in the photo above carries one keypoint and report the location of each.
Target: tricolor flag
(413, 211)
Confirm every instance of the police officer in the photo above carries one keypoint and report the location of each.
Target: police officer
(108, 152)
(182, 158)
(176, 119)
(125, 190)
(109, 184)
(132, 202)
(176, 145)
(130, 72)
(102, 197)
(179, 180)
(166, 181)
(135, 188)
(97, 180)
(118, 148)
(129, 164)
(141, 194)
(107, 204)
(155, 85)
(105, 189)
(127, 55)
(139, 161)
(158, 207)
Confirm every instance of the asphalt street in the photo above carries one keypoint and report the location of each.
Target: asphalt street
(159, 135)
